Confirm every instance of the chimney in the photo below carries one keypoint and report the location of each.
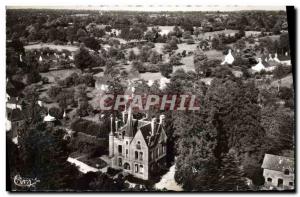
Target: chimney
(117, 124)
(153, 125)
(161, 119)
(123, 116)
(111, 124)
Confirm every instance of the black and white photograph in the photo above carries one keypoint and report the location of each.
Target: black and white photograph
(150, 99)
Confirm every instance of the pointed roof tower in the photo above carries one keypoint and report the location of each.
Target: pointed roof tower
(129, 123)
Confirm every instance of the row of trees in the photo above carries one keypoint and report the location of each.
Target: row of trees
(68, 27)
(222, 145)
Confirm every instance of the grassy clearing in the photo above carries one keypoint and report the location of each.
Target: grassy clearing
(188, 64)
(285, 82)
(51, 46)
(55, 75)
(214, 54)
(151, 76)
(206, 35)
(185, 46)
(253, 33)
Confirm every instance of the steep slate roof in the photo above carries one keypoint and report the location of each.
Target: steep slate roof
(278, 163)
(146, 132)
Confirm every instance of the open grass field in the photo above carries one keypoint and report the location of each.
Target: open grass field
(214, 54)
(285, 82)
(185, 46)
(59, 74)
(206, 35)
(51, 46)
(253, 33)
(187, 64)
(151, 76)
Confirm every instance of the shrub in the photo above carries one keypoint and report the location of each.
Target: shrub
(91, 128)
(44, 67)
(137, 65)
(281, 71)
(166, 69)
(56, 112)
(190, 41)
(54, 91)
(175, 60)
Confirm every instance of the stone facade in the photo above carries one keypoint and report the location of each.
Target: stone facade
(278, 172)
(138, 148)
(279, 180)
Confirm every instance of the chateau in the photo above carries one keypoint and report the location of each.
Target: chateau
(138, 147)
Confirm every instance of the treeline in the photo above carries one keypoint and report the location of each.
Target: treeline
(66, 25)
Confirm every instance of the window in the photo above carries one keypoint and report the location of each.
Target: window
(151, 155)
(160, 149)
(126, 153)
(280, 183)
(164, 148)
(141, 156)
(291, 183)
(120, 149)
(138, 146)
(136, 155)
(286, 172)
(126, 142)
(157, 149)
(136, 168)
(269, 180)
(141, 169)
(126, 166)
(120, 161)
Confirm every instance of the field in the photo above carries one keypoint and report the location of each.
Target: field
(249, 33)
(285, 82)
(51, 46)
(207, 35)
(59, 74)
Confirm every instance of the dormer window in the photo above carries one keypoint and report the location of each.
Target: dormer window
(138, 145)
(286, 172)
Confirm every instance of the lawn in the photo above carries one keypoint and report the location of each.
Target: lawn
(188, 64)
(249, 33)
(285, 82)
(206, 35)
(54, 75)
(151, 76)
(51, 46)
(185, 46)
(214, 54)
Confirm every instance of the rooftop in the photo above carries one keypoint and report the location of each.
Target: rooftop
(278, 163)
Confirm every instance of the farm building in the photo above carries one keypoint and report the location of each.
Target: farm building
(278, 172)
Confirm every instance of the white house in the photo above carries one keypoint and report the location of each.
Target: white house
(278, 172)
(228, 58)
(259, 66)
